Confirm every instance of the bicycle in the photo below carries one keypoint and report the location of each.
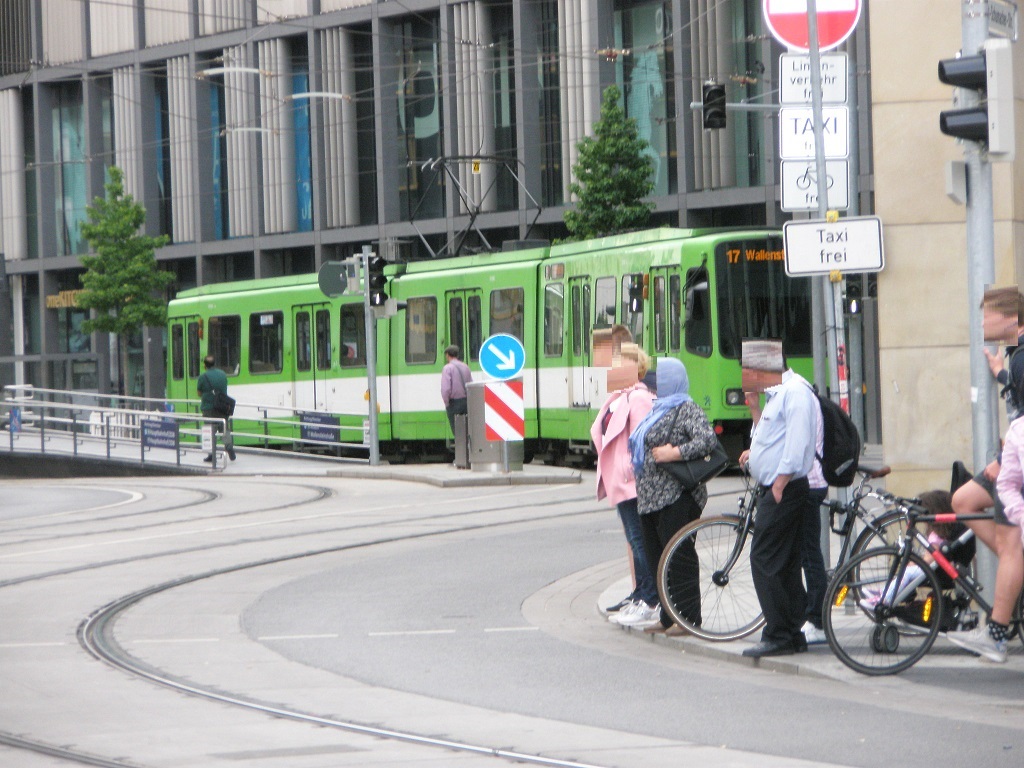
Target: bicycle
(885, 607)
(729, 606)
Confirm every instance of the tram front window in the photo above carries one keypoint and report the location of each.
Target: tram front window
(757, 300)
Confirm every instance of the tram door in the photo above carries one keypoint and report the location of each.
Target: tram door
(465, 323)
(580, 371)
(185, 358)
(312, 355)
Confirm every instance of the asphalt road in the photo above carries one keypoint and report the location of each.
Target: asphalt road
(467, 614)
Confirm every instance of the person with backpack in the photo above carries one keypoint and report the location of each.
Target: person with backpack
(978, 494)
(780, 457)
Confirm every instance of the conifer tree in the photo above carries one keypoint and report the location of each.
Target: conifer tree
(612, 176)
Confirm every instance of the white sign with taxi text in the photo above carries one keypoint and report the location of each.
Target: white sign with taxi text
(817, 247)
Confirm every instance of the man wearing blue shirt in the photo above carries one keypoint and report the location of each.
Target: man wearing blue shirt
(780, 456)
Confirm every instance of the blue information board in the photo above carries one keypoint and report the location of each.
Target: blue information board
(502, 356)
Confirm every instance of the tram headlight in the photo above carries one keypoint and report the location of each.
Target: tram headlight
(734, 397)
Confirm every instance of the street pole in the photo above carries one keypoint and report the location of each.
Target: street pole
(980, 273)
(371, 359)
(832, 290)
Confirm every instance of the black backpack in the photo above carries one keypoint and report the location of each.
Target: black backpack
(1013, 392)
(840, 450)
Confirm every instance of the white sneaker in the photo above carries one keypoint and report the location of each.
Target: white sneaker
(813, 635)
(979, 641)
(623, 611)
(642, 615)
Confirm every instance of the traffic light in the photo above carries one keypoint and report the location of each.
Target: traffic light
(853, 294)
(714, 105)
(990, 121)
(375, 281)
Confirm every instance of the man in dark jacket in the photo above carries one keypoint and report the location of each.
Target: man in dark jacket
(211, 381)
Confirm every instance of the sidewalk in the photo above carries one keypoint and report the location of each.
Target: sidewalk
(819, 661)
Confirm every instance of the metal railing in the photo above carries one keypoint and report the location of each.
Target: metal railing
(157, 430)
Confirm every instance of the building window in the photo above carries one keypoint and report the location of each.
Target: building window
(366, 125)
(504, 94)
(69, 155)
(550, 108)
(419, 119)
(645, 78)
(218, 158)
(162, 147)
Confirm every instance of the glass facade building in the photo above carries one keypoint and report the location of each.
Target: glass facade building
(267, 138)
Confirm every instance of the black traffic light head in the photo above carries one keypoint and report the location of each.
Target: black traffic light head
(714, 105)
(991, 120)
(375, 281)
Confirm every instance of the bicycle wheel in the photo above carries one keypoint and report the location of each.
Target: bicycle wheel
(692, 577)
(876, 625)
(880, 531)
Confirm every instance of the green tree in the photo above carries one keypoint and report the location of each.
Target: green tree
(612, 176)
(122, 283)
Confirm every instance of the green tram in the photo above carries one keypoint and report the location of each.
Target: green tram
(285, 345)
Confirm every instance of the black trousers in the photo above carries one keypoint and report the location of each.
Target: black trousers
(775, 559)
(660, 526)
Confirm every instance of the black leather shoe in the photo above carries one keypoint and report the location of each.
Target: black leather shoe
(208, 458)
(800, 643)
(770, 648)
(231, 455)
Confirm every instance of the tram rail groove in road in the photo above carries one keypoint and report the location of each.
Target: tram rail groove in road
(95, 633)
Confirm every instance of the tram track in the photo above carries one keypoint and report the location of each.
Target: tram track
(95, 632)
(96, 635)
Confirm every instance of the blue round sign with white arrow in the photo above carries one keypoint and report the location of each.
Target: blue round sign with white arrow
(502, 356)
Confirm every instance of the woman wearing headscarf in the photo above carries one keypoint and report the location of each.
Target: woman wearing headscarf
(675, 429)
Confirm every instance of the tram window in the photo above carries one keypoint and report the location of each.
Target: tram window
(507, 312)
(632, 320)
(604, 302)
(675, 304)
(756, 300)
(193, 350)
(177, 353)
(323, 339)
(352, 352)
(456, 324)
(574, 298)
(554, 314)
(476, 329)
(698, 313)
(421, 330)
(660, 315)
(224, 342)
(266, 342)
(303, 350)
(585, 318)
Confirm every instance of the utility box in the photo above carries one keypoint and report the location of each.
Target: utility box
(487, 455)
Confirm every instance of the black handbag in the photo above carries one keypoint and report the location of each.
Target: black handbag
(690, 473)
(693, 472)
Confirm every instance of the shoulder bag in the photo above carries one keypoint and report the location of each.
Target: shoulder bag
(690, 473)
(223, 404)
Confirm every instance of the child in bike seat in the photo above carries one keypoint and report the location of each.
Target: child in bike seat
(960, 552)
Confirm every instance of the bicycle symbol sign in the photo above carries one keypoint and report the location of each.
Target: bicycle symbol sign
(800, 185)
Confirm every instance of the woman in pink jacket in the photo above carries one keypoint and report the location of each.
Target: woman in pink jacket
(622, 411)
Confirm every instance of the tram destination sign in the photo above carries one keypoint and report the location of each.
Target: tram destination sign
(817, 247)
